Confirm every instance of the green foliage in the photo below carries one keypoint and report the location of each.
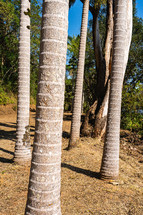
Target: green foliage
(132, 107)
(9, 23)
(132, 102)
(99, 2)
(5, 98)
(36, 11)
(9, 27)
(133, 88)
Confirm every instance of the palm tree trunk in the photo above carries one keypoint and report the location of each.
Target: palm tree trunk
(110, 160)
(45, 174)
(22, 147)
(76, 116)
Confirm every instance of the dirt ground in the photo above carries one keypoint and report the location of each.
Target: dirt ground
(82, 191)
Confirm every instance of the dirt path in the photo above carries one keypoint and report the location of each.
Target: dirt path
(82, 192)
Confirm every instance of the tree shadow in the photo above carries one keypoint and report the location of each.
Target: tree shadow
(8, 135)
(33, 110)
(5, 160)
(82, 171)
(10, 125)
(6, 151)
(11, 135)
(66, 134)
(67, 117)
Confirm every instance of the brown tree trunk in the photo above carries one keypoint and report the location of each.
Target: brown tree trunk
(95, 122)
(99, 127)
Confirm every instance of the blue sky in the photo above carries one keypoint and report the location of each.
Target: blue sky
(76, 11)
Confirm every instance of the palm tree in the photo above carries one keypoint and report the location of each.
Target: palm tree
(22, 147)
(121, 44)
(76, 115)
(45, 174)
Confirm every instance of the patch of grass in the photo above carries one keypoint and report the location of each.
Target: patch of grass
(6, 98)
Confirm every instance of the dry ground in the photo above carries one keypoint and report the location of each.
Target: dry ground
(82, 191)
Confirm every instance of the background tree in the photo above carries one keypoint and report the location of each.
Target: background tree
(133, 75)
(9, 26)
(76, 114)
(45, 174)
(22, 148)
(95, 120)
(90, 74)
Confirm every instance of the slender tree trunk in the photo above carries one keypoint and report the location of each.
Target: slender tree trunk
(45, 174)
(110, 160)
(76, 116)
(22, 147)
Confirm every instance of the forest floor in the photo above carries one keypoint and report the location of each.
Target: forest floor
(82, 191)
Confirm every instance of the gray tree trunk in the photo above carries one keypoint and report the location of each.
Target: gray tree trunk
(45, 174)
(121, 42)
(76, 115)
(22, 152)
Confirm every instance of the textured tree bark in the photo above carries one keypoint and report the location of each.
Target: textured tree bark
(95, 122)
(45, 174)
(22, 152)
(109, 39)
(110, 160)
(100, 122)
(103, 97)
(76, 116)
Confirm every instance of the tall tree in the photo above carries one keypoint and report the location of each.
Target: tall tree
(121, 44)
(45, 174)
(22, 148)
(95, 119)
(76, 115)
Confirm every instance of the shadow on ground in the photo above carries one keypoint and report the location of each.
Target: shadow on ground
(9, 125)
(68, 117)
(6, 151)
(11, 135)
(5, 160)
(81, 171)
(66, 134)
(8, 135)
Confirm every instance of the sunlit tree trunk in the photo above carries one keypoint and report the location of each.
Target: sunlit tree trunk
(121, 43)
(45, 174)
(22, 148)
(101, 114)
(76, 115)
(95, 121)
